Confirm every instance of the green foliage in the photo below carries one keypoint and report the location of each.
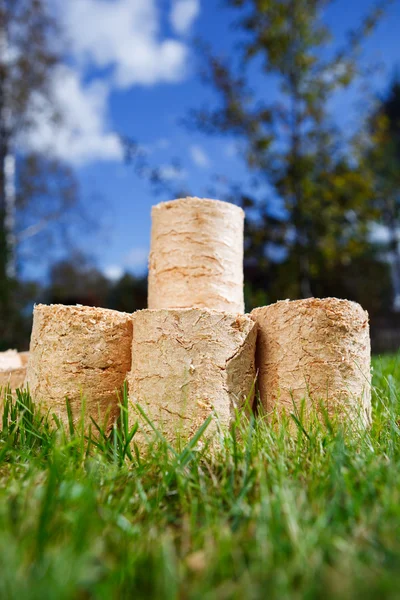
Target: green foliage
(291, 144)
(310, 515)
(128, 293)
(380, 156)
(78, 281)
(16, 314)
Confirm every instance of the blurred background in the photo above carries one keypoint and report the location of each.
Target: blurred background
(290, 108)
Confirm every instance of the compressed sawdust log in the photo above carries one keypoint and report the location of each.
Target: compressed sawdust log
(315, 354)
(188, 364)
(196, 257)
(12, 369)
(79, 352)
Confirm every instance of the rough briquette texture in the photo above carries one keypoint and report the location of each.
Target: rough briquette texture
(187, 363)
(317, 349)
(79, 351)
(196, 257)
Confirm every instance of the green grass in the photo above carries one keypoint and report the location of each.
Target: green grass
(315, 515)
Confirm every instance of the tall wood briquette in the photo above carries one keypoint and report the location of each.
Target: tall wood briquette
(79, 352)
(196, 257)
(188, 364)
(317, 350)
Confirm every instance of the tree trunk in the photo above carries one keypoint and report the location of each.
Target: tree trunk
(5, 292)
(5, 134)
(305, 283)
(302, 242)
(395, 264)
(9, 222)
(3, 157)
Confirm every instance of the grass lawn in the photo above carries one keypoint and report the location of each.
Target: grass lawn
(315, 515)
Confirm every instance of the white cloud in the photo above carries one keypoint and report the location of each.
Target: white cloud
(81, 134)
(124, 38)
(199, 157)
(124, 35)
(183, 14)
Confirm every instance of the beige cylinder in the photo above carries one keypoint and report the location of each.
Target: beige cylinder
(188, 364)
(196, 257)
(317, 350)
(12, 370)
(79, 352)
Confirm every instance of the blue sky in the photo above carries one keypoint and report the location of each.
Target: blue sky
(131, 71)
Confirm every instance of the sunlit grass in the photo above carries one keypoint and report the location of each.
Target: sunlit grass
(264, 515)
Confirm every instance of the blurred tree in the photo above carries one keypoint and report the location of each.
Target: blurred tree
(17, 329)
(27, 58)
(318, 208)
(34, 191)
(161, 179)
(382, 159)
(48, 211)
(77, 281)
(128, 294)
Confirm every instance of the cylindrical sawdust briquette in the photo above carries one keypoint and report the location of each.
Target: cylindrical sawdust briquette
(188, 364)
(196, 258)
(12, 370)
(79, 352)
(316, 351)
